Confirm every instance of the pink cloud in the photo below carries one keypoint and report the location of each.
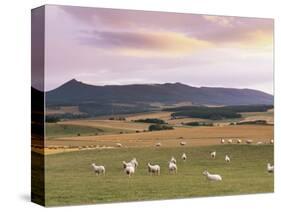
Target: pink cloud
(106, 45)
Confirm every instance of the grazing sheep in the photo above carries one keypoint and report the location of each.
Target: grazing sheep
(153, 169)
(125, 164)
(173, 160)
(158, 144)
(270, 168)
(222, 141)
(249, 141)
(227, 158)
(98, 169)
(212, 177)
(129, 170)
(118, 144)
(184, 157)
(182, 143)
(259, 142)
(271, 141)
(239, 141)
(229, 141)
(135, 162)
(213, 154)
(172, 167)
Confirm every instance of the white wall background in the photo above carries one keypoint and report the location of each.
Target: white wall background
(15, 103)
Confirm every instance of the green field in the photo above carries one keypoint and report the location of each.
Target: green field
(54, 130)
(70, 179)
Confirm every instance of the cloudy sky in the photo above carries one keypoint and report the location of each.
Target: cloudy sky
(107, 46)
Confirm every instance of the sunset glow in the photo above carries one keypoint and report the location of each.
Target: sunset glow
(108, 46)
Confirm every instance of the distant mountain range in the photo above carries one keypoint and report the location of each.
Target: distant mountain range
(74, 92)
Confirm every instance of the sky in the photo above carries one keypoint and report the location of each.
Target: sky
(115, 47)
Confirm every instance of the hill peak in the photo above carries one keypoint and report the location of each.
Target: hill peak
(73, 81)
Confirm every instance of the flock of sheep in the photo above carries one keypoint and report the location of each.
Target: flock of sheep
(239, 141)
(159, 144)
(154, 169)
(223, 141)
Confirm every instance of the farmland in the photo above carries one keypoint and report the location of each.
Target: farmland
(106, 133)
(70, 180)
(73, 145)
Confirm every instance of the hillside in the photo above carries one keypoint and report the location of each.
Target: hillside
(139, 97)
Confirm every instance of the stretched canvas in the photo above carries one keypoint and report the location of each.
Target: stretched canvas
(134, 105)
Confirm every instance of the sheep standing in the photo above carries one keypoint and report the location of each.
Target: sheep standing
(125, 164)
(158, 144)
(118, 144)
(249, 141)
(129, 170)
(182, 143)
(227, 158)
(222, 141)
(172, 167)
(239, 141)
(230, 141)
(153, 169)
(173, 160)
(183, 157)
(270, 168)
(98, 169)
(271, 141)
(213, 154)
(212, 177)
(135, 162)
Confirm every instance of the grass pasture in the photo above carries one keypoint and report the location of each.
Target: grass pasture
(57, 130)
(252, 116)
(66, 129)
(110, 124)
(70, 179)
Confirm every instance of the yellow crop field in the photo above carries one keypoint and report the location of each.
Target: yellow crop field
(196, 136)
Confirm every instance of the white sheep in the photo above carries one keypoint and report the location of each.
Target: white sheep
(227, 158)
(172, 167)
(271, 141)
(184, 157)
(212, 177)
(129, 170)
(239, 141)
(222, 141)
(134, 162)
(118, 144)
(270, 168)
(182, 143)
(153, 169)
(230, 141)
(259, 142)
(213, 154)
(158, 144)
(249, 141)
(173, 160)
(125, 164)
(98, 169)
